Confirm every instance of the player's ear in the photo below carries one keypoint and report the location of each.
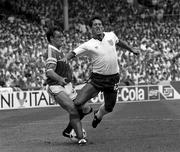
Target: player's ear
(90, 30)
(51, 39)
(103, 28)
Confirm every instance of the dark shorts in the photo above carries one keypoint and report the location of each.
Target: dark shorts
(106, 84)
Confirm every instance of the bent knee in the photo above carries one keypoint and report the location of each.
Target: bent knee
(74, 116)
(109, 108)
(77, 103)
(73, 111)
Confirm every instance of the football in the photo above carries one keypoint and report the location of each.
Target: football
(73, 136)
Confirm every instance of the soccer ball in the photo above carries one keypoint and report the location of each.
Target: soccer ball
(73, 136)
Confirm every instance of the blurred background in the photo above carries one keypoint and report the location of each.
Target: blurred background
(153, 26)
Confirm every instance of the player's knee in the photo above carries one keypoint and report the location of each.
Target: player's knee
(109, 108)
(73, 111)
(74, 116)
(77, 103)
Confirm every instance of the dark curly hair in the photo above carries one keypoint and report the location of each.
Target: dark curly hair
(94, 18)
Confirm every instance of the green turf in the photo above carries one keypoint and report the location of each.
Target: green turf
(132, 127)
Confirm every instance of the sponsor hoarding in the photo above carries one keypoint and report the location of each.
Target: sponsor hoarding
(132, 93)
(143, 93)
(153, 93)
(25, 99)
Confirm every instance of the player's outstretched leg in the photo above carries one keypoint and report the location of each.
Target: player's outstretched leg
(98, 115)
(105, 108)
(96, 120)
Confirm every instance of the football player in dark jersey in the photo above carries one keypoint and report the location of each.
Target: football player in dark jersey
(58, 81)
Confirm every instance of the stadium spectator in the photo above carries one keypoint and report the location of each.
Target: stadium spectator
(22, 36)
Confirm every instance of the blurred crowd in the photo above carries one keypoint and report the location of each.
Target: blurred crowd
(154, 31)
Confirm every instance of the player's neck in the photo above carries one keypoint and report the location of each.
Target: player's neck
(53, 44)
(99, 36)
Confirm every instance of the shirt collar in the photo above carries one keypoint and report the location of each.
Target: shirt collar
(99, 38)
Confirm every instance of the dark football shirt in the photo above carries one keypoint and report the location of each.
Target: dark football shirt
(63, 69)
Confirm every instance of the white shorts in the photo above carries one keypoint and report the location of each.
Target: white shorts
(68, 89)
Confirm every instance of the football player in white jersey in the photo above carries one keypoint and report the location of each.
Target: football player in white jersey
(101, 49)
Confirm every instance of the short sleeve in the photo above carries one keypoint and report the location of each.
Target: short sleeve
(81, 49)
(51, 56)
(116, 39)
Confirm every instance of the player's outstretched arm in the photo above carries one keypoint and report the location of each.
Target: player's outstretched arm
(68, 57)
(175, 57)
(124, 45)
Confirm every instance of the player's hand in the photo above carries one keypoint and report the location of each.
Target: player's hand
(136, 51)
(64, 60)
(63, 81)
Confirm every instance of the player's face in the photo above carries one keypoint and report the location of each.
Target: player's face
(97, 27)
(58, 38)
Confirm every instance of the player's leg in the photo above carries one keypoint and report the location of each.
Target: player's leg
(82, 114)
(107, 107)
(66, 103)
(86, 93)
(85, 108)
(110, 94)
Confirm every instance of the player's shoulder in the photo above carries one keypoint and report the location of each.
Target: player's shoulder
(89, 42)
(54, 52)
(53, 48)
(109, 34)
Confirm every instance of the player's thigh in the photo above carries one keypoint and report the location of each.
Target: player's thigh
(87, 105)
(85, 94)
(110, 100)
(60, 95)
(65, 102)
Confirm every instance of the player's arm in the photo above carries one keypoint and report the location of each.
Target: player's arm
(124, 45)
(50, 72)
(70, 55)
(51, 64)
(175, 57)
(76, 52)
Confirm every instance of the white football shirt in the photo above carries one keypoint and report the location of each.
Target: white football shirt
(103, 54)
